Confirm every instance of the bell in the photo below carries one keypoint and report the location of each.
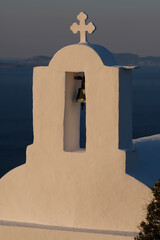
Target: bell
(81, 97)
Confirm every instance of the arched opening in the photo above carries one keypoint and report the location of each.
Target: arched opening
(75, 112)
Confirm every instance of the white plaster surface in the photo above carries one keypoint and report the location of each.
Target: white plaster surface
(76, 189)
(147, 166)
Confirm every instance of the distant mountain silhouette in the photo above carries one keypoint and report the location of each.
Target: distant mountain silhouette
(126, 59)
(29, 62)
(36, 61)
(132, 59)
(123, 59)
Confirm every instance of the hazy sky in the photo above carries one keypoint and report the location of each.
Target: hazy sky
(41, 27)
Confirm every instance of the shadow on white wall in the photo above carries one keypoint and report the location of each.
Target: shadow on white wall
(146, 169)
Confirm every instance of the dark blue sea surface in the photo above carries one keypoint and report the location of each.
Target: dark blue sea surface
(146, 101)
(16, 131)
(15, 116)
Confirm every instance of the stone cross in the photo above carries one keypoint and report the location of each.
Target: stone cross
(82, 27)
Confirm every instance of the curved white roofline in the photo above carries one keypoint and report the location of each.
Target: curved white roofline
(102, 53)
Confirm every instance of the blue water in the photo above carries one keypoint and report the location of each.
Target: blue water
(16, 116)
(16, 130)
(146, 101)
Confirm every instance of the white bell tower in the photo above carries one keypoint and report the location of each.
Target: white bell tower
(65, 188)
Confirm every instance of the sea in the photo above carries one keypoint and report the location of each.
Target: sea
(16, 120)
